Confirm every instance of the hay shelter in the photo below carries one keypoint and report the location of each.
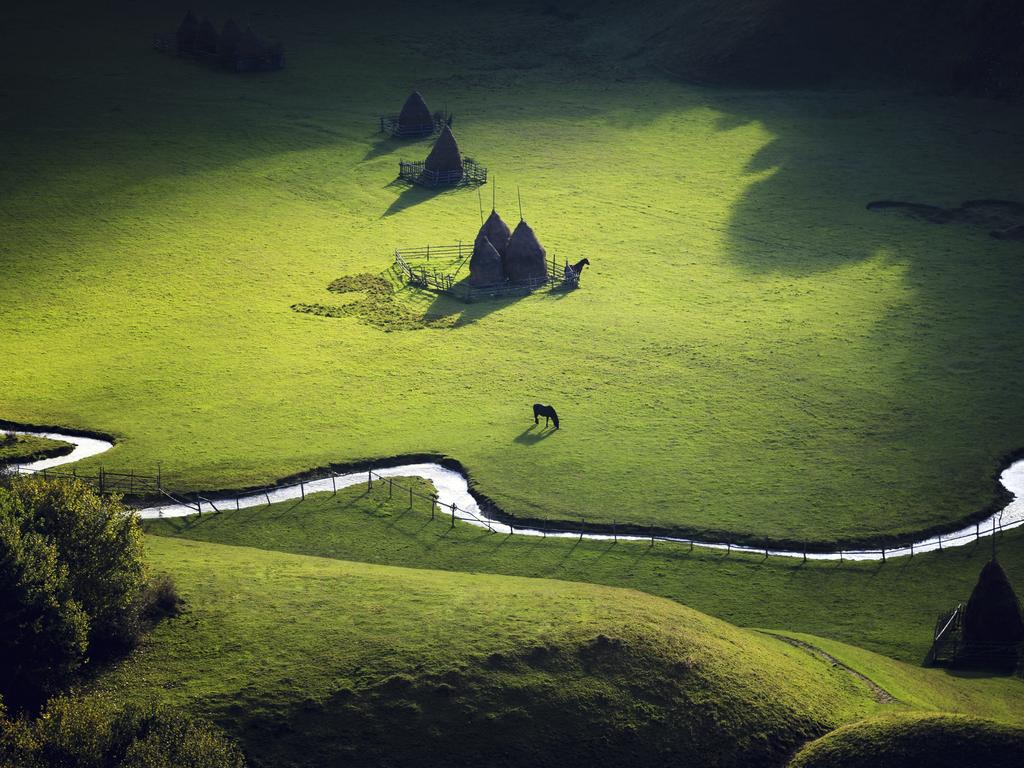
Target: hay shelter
(485, 266)
(415, 118)
(525, 257)
(445, 158)
(496, 231)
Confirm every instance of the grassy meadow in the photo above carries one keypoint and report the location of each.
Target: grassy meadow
(312, 661)
(752, 352)
(887, 608)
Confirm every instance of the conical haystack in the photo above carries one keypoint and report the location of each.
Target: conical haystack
(485, 267)
(993, 613)
(415, 115)
(186, 35)
(227, 46)
(445, 156)
(497, 231)
(525, 257)
(206, 37)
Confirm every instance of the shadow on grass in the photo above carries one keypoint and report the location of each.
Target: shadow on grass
(529, 436)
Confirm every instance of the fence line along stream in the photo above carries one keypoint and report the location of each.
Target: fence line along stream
(453, 501)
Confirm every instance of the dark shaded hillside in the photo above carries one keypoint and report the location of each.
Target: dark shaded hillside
(972, 46)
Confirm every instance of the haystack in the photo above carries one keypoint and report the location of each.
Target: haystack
(485, 267)
(993, 613)
(227, 47)
(525, 257)
(445, 157)
(186, 35)
(497, 231)
(206, 38)
(415, 115)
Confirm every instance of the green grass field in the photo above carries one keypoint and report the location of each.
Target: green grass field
(888, 608)
(312, 661)
(752, 351)
(22, 449)
(752, 354)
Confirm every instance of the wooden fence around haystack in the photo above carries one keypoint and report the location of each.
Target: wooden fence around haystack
(951, 649)
(437, 268)
(391, 125)
(471, 174)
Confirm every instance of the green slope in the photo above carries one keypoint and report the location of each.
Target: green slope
(312, 661)
(911, 740)
(752, 350)
(887, 607)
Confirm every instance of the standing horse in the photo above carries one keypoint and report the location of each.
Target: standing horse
(572, 271)
(547, 412)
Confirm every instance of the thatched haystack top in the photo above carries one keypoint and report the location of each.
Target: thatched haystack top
(496, 231)
(525, 257)
(993, 613)
(415, 113)
(485, 267)
(445, 156)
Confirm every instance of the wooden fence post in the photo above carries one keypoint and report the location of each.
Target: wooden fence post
(159, 484)
(883, 554)
(410, 497)
(433, 505)
(199, 505)
(615, 535)
(369, 480)
(334, 485)
(100, 478)
(302, 489)
(583, 524)
(453, 516)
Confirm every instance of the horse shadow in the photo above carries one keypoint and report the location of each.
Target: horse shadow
(532, 434)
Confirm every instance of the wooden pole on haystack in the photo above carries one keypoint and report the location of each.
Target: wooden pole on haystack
(520, 198)
(480, 199)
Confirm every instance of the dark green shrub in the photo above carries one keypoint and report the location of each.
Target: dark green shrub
(91, 732)
(71, 580)
(43, 629)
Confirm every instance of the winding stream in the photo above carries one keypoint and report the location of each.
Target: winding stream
(453, 489)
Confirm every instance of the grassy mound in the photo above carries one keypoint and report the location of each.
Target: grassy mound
(888, 607)
(311, 661)
(22, 449)
(914, 739)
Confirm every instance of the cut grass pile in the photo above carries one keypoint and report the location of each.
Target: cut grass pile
(752, 351)
(22, 449)
(910, 740)
(887, 607)
(314, 662)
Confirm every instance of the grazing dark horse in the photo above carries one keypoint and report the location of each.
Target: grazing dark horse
(572, 271)
(547, 412)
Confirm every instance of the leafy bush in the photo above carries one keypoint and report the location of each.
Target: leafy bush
(71, 580)
(93, 733)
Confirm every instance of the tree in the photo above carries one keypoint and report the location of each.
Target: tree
(71, 582)
(43, 629)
